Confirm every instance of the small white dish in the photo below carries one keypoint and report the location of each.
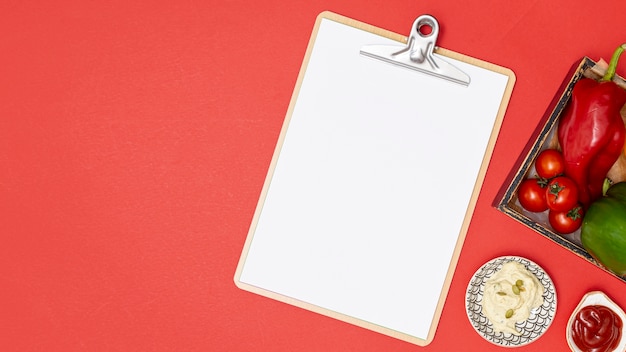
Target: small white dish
(597, 298)
(532, 328)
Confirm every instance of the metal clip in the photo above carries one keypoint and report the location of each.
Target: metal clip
(418, 53)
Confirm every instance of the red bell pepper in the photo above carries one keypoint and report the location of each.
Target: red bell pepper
(592, 132)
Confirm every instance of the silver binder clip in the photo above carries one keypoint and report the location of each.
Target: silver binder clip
(418, 53)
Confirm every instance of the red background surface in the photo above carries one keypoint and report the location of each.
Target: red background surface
(134, 142)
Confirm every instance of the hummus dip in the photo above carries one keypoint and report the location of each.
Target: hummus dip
(510, 295)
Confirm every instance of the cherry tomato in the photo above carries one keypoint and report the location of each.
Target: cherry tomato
(565, 222)
(532, 196)
(550, 163)
(561, 194)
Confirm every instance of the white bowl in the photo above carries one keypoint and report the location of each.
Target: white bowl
(540, 318)
(596, 298)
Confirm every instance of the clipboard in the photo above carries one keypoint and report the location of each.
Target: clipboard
(375, 177)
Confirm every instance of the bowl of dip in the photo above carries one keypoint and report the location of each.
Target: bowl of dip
(597, 324)
(510, 301)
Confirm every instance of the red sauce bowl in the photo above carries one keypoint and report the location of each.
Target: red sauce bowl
(596, 298)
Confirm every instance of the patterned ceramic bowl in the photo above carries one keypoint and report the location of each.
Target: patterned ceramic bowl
(532, 328)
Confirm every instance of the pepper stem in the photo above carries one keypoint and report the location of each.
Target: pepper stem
(610, 72)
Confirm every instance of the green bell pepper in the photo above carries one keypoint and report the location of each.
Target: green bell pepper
(603, 232)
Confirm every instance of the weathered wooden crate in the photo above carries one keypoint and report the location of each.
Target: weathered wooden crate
(545, 137)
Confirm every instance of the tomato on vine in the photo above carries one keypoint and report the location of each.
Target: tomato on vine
(561, 194)
(550, 163)
(565, 222)
(532, 195)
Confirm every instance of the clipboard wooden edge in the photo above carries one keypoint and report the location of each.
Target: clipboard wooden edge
(468, 215)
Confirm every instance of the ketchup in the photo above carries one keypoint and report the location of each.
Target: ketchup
(597, 329)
